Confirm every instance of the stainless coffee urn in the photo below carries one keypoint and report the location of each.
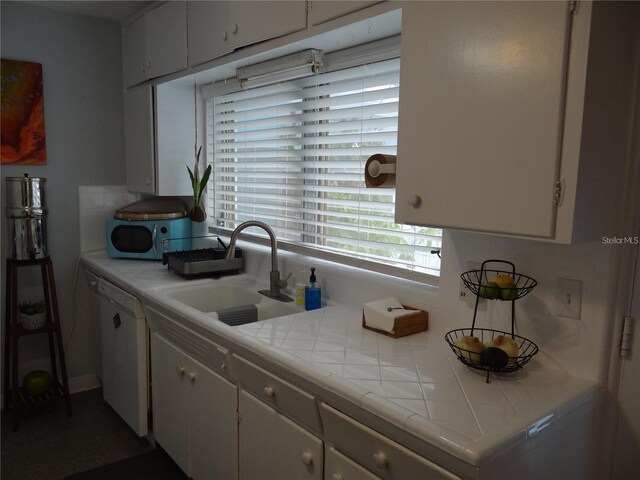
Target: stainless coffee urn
(27, 212)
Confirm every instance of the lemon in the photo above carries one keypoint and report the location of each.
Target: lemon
(504, 281)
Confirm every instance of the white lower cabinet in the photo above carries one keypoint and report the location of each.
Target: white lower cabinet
(374, 452)
(339, 467)
(194, 413)
(279, 427)
(272, 447)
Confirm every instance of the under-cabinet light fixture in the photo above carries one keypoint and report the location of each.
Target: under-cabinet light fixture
(296, 65)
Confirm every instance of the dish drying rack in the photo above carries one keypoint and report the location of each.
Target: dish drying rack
(202, 262)
(475, 281)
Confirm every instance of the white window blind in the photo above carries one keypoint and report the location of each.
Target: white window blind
(292, 155)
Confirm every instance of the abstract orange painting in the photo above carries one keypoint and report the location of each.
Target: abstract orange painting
(23, 139)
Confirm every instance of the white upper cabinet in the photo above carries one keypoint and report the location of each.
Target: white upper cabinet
(160, 138)
(253, 22)
(499, 106)
(217, 28)
(139, 139)
(325, 10)
(481, 98)
(155, 44)
(208, 35)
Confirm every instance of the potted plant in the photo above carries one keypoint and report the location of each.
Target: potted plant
(32, 315)
(197, 212)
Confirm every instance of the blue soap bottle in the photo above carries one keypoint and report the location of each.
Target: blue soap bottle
(312, 295)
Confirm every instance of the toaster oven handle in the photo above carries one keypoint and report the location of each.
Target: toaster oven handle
(153, 240)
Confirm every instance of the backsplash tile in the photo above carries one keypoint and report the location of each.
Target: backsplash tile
(96, 204)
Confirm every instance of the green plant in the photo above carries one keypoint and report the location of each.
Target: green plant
(198, 184)
(31, 308)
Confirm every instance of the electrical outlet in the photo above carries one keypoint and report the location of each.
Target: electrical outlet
(569, 298)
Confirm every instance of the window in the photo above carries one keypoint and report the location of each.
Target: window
(292, 155)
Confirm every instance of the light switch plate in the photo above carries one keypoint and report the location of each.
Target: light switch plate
(569, 298)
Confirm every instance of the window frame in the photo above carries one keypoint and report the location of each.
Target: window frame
(356, 56)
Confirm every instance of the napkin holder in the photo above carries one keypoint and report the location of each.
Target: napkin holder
(414, 321)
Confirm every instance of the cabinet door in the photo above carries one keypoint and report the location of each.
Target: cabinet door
(213, 425)
(133, 53)
(169, 387)
(255, 21)
(208, 36)
(139, 144)
(272, 447)
(124, 374)
(166, 39)
(174, 137)
(481, 110)
(325, 10)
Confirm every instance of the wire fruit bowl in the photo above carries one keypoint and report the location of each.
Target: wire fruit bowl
(488, 361)
(475, 281)
(494, 359)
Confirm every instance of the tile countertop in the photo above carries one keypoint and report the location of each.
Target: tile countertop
(415, 382)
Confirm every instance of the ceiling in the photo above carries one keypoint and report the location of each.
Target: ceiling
(115, 10)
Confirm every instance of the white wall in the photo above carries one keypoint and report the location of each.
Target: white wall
(82, 70)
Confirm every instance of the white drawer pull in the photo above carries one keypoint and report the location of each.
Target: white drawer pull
(180, 370)
(307, 459)
(269, 392)
(380, 459)
(223, 366)
(337, 476)
(191, 376)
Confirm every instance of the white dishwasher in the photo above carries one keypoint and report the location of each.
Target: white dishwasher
(125, 354)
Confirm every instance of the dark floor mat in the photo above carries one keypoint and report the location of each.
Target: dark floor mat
(155, 464)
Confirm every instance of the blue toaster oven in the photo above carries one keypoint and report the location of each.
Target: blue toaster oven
(147, 239)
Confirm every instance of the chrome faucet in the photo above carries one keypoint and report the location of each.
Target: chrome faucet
(275, 282)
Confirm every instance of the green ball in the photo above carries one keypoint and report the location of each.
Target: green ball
(489, 290)
(37, 382)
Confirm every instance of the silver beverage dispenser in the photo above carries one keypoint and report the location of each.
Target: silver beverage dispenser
(27, 212)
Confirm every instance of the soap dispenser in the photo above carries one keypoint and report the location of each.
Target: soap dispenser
(312, 296)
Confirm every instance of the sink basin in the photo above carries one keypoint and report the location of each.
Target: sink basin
(234, 303)
(209, 297)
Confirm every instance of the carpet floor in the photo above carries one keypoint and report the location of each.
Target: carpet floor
(51, 446)
(156, 465)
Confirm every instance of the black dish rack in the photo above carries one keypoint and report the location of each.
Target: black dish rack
(475, 281)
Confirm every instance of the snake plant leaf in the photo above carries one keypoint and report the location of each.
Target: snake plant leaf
(205, 176)
(191, 176)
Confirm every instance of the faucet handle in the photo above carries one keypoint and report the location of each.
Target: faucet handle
(282, 283)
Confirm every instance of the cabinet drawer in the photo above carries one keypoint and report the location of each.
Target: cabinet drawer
(209, 354)
(339, 467)
(384, 457)
(281, 395)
